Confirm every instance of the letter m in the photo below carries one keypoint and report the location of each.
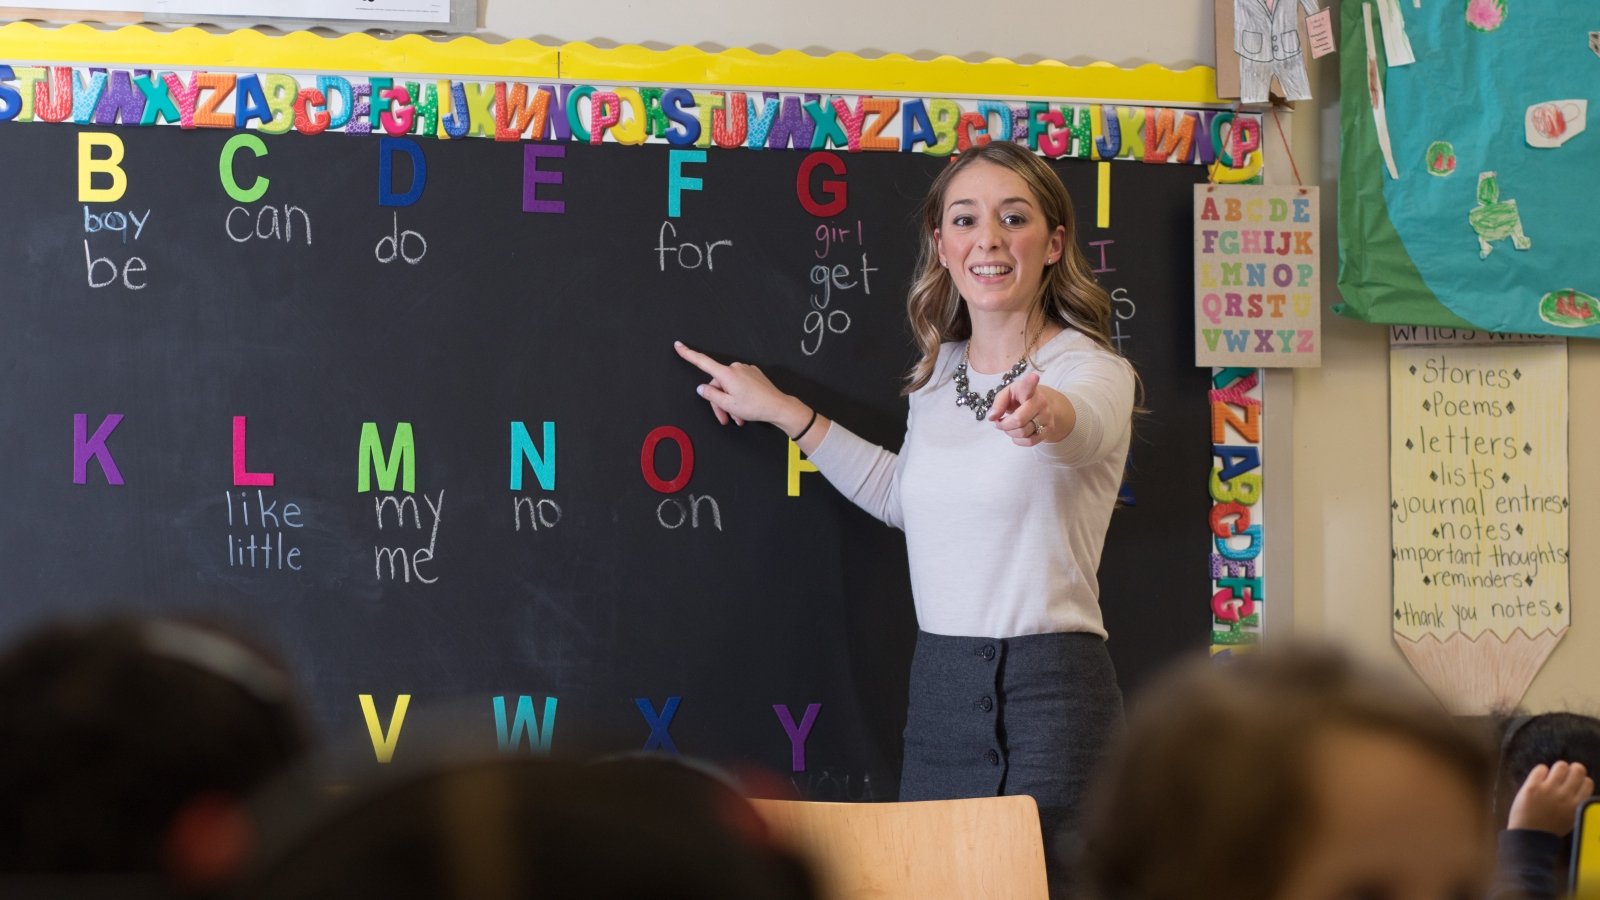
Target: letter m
(400, 460)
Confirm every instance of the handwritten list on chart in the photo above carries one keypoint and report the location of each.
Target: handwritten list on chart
(1478, 481)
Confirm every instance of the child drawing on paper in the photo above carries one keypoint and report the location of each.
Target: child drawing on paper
(1495, 219)
(1267, 39)
(1486, 15)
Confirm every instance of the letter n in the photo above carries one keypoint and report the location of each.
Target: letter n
(399, 461)
(523, 450)
(84, 447)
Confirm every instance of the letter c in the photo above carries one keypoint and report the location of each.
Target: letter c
(257, 148)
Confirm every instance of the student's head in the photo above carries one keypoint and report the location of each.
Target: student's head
(1529, 741)
(999, 233)
(519, 828)
(1290, 774)
(127, 745)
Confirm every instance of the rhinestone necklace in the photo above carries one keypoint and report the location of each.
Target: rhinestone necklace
(969, 398)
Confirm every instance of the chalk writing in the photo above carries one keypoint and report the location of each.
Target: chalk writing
(403, 562)
(826, 280)
(688, 254)
(405, 244)
(272, 223)
(261, 544)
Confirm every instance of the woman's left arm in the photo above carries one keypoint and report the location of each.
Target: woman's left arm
(1078, 422)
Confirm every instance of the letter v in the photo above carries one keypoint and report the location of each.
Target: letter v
(383, 744)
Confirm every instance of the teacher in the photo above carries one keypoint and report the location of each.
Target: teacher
(1020, 417)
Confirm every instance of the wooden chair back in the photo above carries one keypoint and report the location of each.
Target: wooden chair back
(987, 847)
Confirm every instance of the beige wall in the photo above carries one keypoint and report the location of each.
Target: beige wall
(1175, 33)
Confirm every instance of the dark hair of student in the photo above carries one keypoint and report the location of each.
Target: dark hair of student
(1529, 741)
(1211, 793)
(516, 828)
(109, 727)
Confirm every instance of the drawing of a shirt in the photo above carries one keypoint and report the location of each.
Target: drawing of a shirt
(1267, 40)
(1262, 34)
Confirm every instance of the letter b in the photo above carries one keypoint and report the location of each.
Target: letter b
(89, 166)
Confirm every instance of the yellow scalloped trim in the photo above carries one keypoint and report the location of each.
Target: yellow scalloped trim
(24, 42)
(890, 74)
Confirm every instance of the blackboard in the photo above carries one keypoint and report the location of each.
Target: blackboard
(744, 603)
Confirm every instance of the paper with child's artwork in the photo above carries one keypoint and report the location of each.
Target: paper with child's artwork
(1257, 276)
(1479, 507)
(1467, 178)
(1266, 39)
(1396, 44)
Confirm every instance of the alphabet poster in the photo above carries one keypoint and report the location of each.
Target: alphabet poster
(1257, 276)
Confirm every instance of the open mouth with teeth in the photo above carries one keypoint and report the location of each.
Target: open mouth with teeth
(990, 271)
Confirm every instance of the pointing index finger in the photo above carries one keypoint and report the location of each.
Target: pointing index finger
(701, 361)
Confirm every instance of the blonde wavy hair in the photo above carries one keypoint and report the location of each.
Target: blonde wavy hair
(1069, 295)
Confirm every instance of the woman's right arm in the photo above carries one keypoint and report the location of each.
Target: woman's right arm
(742, 393)
(864, 472)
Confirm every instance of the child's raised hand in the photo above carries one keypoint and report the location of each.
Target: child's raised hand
(1549, 799)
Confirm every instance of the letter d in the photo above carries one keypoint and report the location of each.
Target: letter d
(111, 165)
(387, 148)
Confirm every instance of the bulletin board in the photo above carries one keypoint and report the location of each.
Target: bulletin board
(1467, 183)
(366, 346)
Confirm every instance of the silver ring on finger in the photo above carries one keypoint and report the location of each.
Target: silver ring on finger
(1037, 428)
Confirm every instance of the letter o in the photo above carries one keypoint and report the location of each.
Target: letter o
(683, 515)
(647, 459)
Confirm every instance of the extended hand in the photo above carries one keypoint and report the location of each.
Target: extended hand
(743, 393)
(1549, 799)
(1024, 412)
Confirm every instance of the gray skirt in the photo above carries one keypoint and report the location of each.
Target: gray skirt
(1026, 715)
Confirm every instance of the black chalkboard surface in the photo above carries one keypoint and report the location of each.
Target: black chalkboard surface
(316, 310)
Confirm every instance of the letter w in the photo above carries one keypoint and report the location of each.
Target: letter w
(525, 723)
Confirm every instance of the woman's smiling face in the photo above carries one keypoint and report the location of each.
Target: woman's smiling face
(995, 240)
